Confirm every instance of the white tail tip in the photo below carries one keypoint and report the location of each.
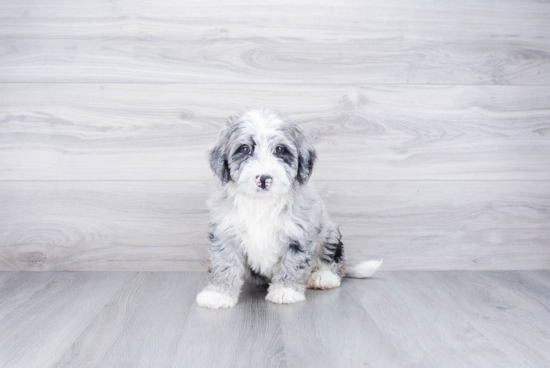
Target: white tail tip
(364, 269)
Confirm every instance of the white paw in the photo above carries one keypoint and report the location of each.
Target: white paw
(285, 296)
(323, 280)
(212, 299)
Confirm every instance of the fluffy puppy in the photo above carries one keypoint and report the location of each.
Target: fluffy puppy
(267, 223)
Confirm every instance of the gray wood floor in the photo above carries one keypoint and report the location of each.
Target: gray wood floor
(396, 319)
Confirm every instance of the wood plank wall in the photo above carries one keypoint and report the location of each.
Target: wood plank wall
(431, 119)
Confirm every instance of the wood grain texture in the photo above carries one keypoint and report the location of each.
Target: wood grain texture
(52, 316)
(489, 307)
(144, 319)
(104, 226)
(445, 225)
(408, 313)
(17, 287)
(140, 326)
(422, 42)
(431, 120)
(163, 131)
(344, 333)
(159, 226)
(533, 286)
(244, 336)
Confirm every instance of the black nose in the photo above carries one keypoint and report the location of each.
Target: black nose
(263, 181)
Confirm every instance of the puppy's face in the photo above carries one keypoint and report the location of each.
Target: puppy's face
(262, 153)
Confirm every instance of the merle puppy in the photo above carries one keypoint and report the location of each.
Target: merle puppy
(267, 223)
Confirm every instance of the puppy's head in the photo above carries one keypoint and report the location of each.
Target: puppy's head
(262, 153)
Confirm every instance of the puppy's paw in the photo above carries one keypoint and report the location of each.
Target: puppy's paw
(323, 280)
(285, 296)
(213, 299)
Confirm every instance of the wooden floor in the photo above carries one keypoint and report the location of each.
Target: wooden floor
(396, 319)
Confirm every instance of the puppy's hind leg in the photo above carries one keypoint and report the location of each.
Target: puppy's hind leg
(323, 279)
(288, 282)
(330, 266)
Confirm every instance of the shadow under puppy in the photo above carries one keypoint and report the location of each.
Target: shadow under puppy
(267, 223)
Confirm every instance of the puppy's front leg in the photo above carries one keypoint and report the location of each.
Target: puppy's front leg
(288, 283)
(225, 275)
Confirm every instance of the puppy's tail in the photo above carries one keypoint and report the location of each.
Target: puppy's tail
(363, 269)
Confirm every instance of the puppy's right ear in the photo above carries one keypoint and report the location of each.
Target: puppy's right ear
(218, 157)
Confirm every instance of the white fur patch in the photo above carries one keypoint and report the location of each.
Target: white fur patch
(323, 280)
(212, 299)
(259, 222)
(285, 296)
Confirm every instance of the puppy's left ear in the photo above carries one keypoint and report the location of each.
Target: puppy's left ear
(218, 157)
(306, 159)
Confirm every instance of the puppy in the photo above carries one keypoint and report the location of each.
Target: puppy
(267, 223)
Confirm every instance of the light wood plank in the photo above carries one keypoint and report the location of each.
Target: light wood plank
(248, 335)
(465, 225)
(534, 286)
(326, 18)
(422, 42)
(517, 326)
(416, 322)
(162, 132)
(436, 225)
(104, 226)
(52, 318)
(18, 287)
(140, 326)
(412, 319)
(331, 329)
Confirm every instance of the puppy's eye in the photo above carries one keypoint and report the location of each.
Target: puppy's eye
(245, 149)
(279, 149)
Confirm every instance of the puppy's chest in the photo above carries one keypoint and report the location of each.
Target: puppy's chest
(260, 229)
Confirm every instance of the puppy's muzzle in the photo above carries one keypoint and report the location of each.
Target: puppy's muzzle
(263, 181)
